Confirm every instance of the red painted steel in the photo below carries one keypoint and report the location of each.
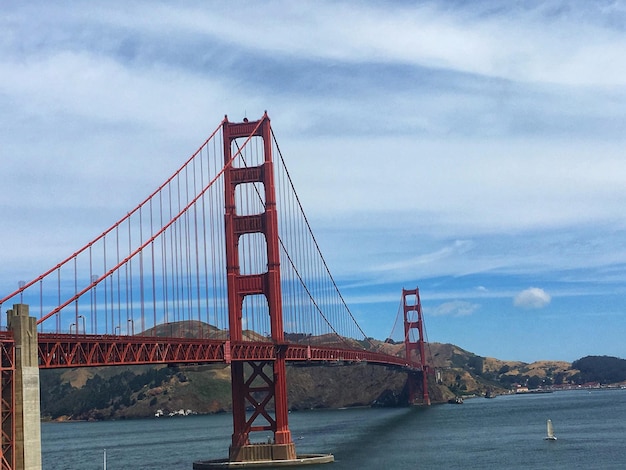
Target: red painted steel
(7, 401)
(60, 351)
(413, 320)
(244, 389)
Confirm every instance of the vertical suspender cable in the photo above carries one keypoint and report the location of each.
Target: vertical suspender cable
(129, 281)
(141, 280)
(106, 299)
(154, 319)
(58, 316)
(197, 253)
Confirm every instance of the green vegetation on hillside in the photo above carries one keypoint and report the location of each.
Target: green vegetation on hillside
(602, 369)
(100, 397)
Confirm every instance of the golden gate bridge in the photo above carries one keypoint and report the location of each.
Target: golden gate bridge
(223, 247)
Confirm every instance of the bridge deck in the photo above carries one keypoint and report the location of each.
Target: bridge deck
(71, 350)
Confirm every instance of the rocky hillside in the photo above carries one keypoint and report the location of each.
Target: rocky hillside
(139, 391)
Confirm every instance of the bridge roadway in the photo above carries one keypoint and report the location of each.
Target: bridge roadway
(72, 350)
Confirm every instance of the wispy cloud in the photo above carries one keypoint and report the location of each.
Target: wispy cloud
(553, 41)
(454, 147)
(456, 308)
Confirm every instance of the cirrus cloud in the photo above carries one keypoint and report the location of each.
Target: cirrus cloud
(456, 308)
(533, 297)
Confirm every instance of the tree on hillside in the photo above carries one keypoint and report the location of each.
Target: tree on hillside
(603, 369)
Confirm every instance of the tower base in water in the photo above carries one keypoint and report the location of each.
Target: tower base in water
(305, 459)
(257, 452)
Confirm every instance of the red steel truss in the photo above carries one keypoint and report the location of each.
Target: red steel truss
(56, 350)
(62, 350)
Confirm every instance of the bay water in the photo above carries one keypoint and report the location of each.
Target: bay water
(505, 432)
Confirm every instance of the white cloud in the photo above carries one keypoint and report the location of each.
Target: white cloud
(534, 44)
(549, 42)
(92, 87)
(480, 145)
(534, 297)
(415, 263)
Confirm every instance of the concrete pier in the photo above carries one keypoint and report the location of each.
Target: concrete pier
(307, 459)
(27, 437)
(255, 452)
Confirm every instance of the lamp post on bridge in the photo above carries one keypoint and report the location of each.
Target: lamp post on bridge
(21, 284)
(84, 327)
(132, 326)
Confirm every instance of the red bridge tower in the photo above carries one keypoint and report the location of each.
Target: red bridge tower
(255, 384)
(413, 321)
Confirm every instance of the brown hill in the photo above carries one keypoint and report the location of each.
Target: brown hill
(138, 391)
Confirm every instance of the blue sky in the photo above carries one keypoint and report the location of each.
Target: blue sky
(472, 149)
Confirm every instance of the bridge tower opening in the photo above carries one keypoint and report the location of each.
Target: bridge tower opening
(256, 385)
(414, 328)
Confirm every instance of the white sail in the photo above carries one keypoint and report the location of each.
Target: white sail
(550, 435)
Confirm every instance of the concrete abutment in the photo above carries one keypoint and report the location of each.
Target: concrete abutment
(27, 438)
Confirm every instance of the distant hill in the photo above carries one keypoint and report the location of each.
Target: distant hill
(140, 391)
(603, 369)
(465, 373)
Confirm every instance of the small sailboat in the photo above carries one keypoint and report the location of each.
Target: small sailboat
(550, 436)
